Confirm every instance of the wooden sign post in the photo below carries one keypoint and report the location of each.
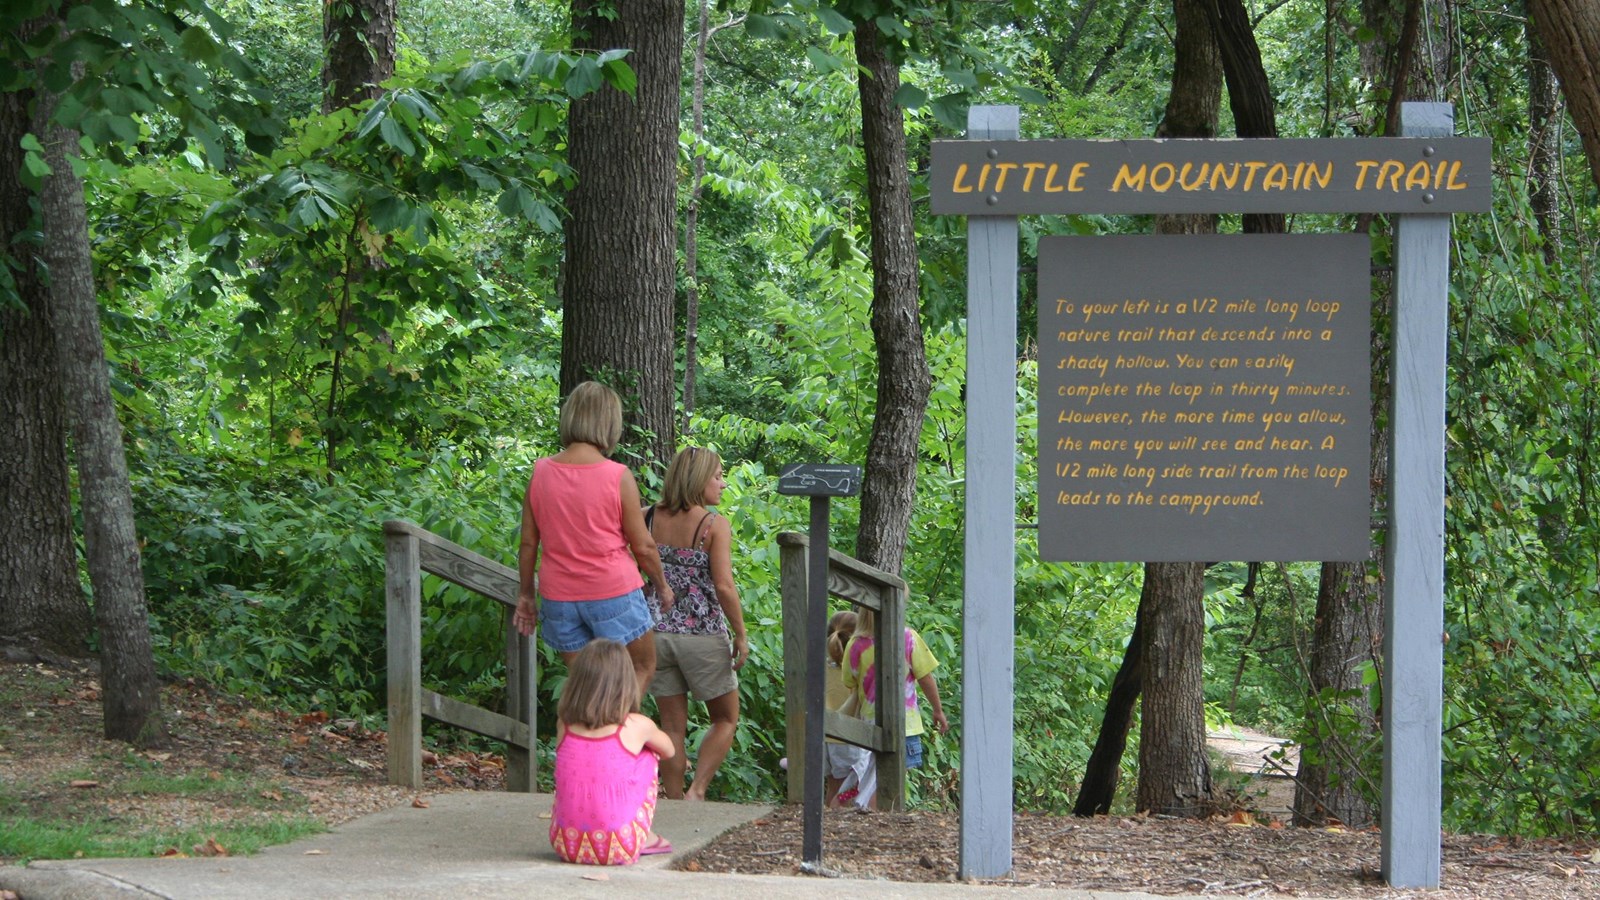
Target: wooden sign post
(819, 482)
(1191, 413)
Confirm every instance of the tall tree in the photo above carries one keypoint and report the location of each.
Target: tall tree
(40, 598)
(1571, 32)
(1544, 143)
(358, 44)
(903, 379)
(132, 702)
(621, 236)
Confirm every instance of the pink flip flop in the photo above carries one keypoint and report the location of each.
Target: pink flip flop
(656, 847)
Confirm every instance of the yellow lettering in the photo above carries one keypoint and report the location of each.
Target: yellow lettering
(1228, 180)
(1362, 165)
(1324, 178)
(1050, 186)
(1195, 185)
(1277, 178)
(1027, 180)
(1250, 170)
(1454, 185)
(1134, 180)
(1390, 172)
(1159, 181)
(1005, 169)
(1075, 180)
(958, 187)
(983, 177)
(1418, 176)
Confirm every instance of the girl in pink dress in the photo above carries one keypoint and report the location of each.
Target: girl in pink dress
(606, 763)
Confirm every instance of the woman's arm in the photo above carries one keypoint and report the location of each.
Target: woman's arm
(930, 689)
(526, 618)
(645, 552)
(719, 545)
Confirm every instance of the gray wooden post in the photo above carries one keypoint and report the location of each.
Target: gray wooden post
(815, 630)
(522, 763)
(793, 560)
(989, 599)
(1413, 618)
(403, 640)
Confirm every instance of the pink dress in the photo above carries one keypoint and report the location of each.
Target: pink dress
(605, 800)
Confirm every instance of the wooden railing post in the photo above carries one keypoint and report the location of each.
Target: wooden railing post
(403, 591)
(793, 588)
(521, 762)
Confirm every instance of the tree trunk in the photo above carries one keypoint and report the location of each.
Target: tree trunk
(1340, 723)
(40, 598)
(1174, 770)
(1544, 144)
(358, 50)
(1571, 32)
(1104, 771)
(621, 236)
(691, 217)
(903, 378)
(1249, 91)
(131, 693)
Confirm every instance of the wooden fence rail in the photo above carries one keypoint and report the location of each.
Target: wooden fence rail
(855, 581)
(411, 551)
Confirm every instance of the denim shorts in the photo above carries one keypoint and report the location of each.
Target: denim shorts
(913, 751)
(569, 625)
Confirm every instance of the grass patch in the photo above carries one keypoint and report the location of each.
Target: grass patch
(23, 840)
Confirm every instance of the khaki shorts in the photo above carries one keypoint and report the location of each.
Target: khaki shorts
(701, 664)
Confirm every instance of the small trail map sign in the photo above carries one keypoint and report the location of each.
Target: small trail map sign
(1204, 397)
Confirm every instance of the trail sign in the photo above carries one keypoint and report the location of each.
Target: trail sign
(815, 480)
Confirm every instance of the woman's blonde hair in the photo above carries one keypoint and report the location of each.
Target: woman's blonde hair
(592, 415)
(840, 629)
(601, 688)
(685, 486)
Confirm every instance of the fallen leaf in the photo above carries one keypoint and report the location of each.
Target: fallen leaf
(316, 853)
(271, 795)
(1241, 817)
(419, 803)
(692, 866)
(596, 876)
(312, 718)
(173, 853)
(430, 758)
(1564, 870)
(210, 848)
(544, 815)
(84, 783)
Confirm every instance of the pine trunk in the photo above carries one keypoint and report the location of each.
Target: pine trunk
(358, 41)
(621, 239)
(131, 693)
(903, 378)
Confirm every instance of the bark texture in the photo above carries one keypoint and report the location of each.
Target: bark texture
(1340, 723)
(358, 50)
(40, 598)
(1544, 144)
(1104, 770)
(132, 695)
(1174, 769)
(903, 379)
(621, 238)
(1571, 33)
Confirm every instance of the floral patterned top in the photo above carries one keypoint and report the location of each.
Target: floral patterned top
(688, 570)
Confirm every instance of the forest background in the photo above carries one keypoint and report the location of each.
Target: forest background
(320, 310)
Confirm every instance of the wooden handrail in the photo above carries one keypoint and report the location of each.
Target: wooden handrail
(855, 581)
(409, 552)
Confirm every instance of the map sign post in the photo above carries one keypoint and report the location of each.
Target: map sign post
(1205, 397)
(819, 482)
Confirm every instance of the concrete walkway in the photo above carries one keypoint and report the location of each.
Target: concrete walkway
(466, 844)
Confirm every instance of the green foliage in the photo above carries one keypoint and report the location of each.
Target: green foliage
(27, 838)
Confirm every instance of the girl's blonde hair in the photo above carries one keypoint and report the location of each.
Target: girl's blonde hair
(601, 688)
(685, 486)
(840, 629)
(592, 415)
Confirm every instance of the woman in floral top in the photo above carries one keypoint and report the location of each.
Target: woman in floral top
(700, 639)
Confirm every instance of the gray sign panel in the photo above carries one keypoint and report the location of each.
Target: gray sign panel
(1204, 397)
(819, 480)
(1409, 175)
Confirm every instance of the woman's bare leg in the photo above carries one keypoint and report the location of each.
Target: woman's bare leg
(718, 741)
(674, 712)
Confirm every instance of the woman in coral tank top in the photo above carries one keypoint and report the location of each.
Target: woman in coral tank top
(584, 540)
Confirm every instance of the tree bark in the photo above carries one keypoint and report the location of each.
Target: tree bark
(1571, 33)
(1174, 770)
(691, 216)
(131, 692)
(903, 378)
(1104, 771)
(621, 236)
(1249, 91)
(1544, 144)
(358, 43)
(40, 597)
(1340, 723)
